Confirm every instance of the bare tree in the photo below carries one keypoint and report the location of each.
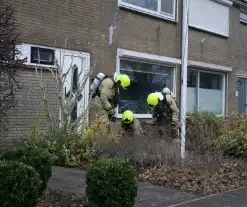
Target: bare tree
(9, 61)
(65, 102)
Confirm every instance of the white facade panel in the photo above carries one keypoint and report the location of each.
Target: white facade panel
(66, 59)
(209, 15)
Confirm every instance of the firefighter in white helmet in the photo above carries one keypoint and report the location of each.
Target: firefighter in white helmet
(105, 90)
(163, 104)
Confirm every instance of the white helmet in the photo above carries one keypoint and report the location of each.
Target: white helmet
(166, 90)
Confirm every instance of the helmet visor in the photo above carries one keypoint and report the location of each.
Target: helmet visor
(127, 121)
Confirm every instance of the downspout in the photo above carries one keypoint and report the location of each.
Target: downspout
(184, 64)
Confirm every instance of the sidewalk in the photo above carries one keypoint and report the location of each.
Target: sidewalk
(73, 181)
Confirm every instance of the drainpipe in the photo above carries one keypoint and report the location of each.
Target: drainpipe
(184, 57)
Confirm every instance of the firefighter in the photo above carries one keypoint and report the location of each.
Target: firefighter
(130, 124)
(106, 94)
(164, 106)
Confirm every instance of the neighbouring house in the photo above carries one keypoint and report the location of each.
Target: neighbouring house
(140, 38)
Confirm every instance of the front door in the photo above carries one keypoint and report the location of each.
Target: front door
(242, 95)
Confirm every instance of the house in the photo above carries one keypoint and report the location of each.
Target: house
(142, 39)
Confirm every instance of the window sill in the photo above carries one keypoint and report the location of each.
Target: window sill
(243, 22)
(148, 116)
(138, 116)
(225, 2)
(171, 18)
(31, 65)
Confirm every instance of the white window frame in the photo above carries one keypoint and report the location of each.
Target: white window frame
(223, 86)
(148, 58)
(223, 2)
(58, 52)
(241, 20)
(159, 13)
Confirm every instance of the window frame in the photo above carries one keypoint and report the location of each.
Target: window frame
(241, 20)
(223, 86)
(34, 48)
(159, 13)
(151, 59)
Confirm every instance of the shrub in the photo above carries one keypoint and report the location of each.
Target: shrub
(237, 147)
(72, 148)
(206, 132)
(233, 139)
(40, 160)
(111, 182)
(19, 183)
(202, 129)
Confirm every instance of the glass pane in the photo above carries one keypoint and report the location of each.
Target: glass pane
(243, 16)
(167, 6)
(191, 90)
(43, 55)
(147, 4)
(145, 78)
(210, 81)
(210, 93)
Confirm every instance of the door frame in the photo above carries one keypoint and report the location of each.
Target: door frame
(243, 76)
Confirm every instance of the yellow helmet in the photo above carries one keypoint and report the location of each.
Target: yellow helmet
(123, 80)
(153, 99)
(127, 117)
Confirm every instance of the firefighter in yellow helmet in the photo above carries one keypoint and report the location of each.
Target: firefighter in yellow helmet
(130, 124)
(163, 105)
(107, 95)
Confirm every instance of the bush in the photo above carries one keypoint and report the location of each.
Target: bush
(71, 148)
(19, 183)
(202, 129)
(206, 132)
(40, 160)
(233, 139)
(237, 147)
(111, 182)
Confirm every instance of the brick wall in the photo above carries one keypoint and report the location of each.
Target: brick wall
(230, 52)
(86, 26)
(28, 106)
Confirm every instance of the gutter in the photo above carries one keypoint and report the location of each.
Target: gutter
(241, 3)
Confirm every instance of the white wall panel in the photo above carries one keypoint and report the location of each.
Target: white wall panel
(209, 15)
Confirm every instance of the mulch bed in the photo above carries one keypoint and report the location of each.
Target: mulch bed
(56, 198)
(200, 180)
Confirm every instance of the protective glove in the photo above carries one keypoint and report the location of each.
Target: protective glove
(111, 116)
(174, 133)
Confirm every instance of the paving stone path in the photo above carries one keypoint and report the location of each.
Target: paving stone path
(73, 181)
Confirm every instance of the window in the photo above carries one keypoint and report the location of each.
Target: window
(74, 89)
(243, 16)
(210, 15)
(42, 56)
(205, 92)
(160, 8)
(145, 78)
